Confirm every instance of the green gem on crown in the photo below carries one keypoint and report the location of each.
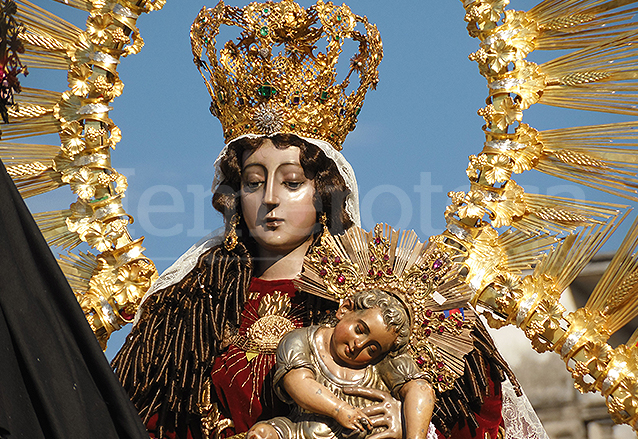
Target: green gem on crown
(263, 31)
(267, 91)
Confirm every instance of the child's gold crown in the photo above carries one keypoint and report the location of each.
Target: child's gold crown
(273, 79)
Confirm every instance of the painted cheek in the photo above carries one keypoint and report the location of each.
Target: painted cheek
(250, 205)
(301, 210)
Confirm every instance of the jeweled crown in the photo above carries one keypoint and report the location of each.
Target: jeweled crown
(273, 79)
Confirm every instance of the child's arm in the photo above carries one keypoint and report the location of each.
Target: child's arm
(301, 386)
(418, 404)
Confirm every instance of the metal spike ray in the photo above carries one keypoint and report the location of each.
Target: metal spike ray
(598, 74)
(110, 285)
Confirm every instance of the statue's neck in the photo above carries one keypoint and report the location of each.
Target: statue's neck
(272, 265)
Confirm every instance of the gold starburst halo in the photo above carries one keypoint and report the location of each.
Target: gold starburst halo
(277, 77)
(421, 275)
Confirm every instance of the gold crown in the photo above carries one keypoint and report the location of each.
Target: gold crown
(421, 275)
(273, 79)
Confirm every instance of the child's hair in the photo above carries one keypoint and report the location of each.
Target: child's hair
(393, 312)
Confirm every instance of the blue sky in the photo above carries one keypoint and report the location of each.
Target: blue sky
(409, 149)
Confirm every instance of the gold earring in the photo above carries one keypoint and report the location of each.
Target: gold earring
(230, 240)
(323, 220)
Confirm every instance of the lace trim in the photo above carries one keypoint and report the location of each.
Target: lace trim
(519, 417)
(432, 432)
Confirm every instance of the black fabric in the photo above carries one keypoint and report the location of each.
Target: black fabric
(54, 379)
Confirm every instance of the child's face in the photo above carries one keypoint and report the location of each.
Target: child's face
(361, 337)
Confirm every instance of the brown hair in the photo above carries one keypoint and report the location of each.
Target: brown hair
(330, 188)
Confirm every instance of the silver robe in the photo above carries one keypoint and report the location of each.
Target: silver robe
(298, 349)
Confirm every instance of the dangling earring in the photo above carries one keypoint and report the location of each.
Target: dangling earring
(323, 220)
(230, 240)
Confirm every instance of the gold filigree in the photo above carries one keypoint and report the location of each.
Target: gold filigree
(83, 162)
(274, 80)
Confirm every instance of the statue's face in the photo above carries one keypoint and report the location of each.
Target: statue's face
(360, 337)
(277, 198)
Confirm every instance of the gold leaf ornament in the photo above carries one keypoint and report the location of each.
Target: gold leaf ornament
(482, 13)
(97, 28)
(473, 207)
(72, 138)
(134, 279)
(524, 148)
(78, 77)
(507, 205)
(510, 290)
(102, 236)
(498, 56)
(584, 326)
(525, 80)
(506, 113)
(83, 181)
(497, 168)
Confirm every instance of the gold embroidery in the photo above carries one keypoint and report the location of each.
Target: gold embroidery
(276, 304)
(273, 323)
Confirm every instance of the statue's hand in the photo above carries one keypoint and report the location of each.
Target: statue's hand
(385, 413)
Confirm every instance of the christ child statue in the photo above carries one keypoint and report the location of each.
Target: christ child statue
(319, 366)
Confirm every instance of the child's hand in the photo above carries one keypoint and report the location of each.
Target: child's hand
(385, 413)
(352, 418)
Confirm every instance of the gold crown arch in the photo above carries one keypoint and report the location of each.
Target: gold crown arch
(274, 80)
(111, 284)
